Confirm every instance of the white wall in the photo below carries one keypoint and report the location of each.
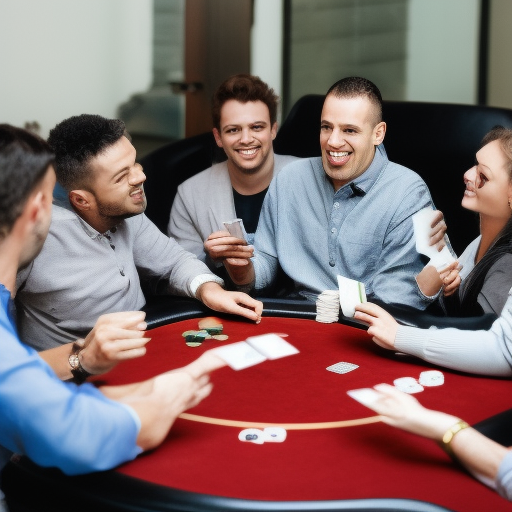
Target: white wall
(267, 43)
(443, 50)
(66, 57)
(500, 70)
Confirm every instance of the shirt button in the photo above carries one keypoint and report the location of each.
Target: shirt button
(122, 272)
(113, 246)
(332, 263)
(336, 205)
(333, 230)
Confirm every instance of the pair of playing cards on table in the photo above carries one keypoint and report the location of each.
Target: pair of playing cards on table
(255, 350)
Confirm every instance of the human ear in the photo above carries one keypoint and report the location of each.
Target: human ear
(218, 140)
(379, 132)
(273, 130)
(80, 199)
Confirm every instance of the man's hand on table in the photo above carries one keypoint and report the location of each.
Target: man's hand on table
(236, 303)
(383, 326)
(160, 400)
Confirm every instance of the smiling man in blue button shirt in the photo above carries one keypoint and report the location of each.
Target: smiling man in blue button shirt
(347, 212)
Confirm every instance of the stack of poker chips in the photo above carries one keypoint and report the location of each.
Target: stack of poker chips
(328, 307)
(209, 328)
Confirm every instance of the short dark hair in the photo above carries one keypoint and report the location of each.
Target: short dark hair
(355, 87)
(244, 88)
(76, 141)
(24, 161)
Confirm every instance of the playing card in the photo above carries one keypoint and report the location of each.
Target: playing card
(421, 221)
(272, 346)
(236, 228)
(365, 396)
(431, 378)
(342, 367)
(239, 355)
(352, 293)
(408, 385)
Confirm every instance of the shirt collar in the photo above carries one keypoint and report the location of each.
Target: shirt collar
(91, 232)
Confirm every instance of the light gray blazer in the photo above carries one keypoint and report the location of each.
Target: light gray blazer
(203, 203)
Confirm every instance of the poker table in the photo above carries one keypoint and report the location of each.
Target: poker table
(337, 455)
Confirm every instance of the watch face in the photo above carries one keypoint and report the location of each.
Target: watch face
(74, 362)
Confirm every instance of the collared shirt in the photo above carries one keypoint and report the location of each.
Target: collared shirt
(74, 428)
(363, 231)
(81, 274)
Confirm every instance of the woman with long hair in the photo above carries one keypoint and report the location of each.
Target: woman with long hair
(486, 265)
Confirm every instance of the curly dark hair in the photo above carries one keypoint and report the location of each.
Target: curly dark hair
(244, 88)
(76, 141)
(355, 87)
(24, 161)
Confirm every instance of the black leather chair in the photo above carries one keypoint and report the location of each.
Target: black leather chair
(172, 164)
(437, 140)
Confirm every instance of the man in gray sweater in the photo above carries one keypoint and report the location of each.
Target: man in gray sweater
(96, 255)
(244, 112)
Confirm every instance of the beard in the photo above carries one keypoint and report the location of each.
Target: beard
(115, 213)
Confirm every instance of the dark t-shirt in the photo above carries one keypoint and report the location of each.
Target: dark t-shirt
(248, 208)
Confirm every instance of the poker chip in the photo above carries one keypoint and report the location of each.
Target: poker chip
(328, 307)
(209, 328)
(210, 322)
(220, 337)
(431, 378)
(408, 385)
(195, 340)
(267, 435)
(252, 435)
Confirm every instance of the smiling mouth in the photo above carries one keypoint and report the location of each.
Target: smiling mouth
(138, 194)
(248, 152)
(338, 157)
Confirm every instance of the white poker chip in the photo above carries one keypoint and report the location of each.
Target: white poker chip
(431, 378)
(274, 434)
(408, 385)
(252, 435)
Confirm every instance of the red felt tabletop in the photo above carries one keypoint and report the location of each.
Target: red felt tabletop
(348, 462)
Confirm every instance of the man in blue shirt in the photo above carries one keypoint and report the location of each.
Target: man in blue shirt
(345, 213)
(40, 415)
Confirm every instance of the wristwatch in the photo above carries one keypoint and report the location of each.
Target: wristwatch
(77, 370)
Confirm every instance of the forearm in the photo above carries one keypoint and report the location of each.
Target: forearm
(478, 454)
(479, 352)
(241, 275)
(429, 281)
(57, 358)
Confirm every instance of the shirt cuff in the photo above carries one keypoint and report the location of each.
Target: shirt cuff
(410, 340)
(504, 477)
(204, 278)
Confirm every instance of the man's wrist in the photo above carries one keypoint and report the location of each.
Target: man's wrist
(77, 370)
(202, 279)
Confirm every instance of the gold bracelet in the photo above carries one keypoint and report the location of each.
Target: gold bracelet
(450, 434)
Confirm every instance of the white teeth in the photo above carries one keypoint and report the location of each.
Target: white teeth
(338, 154)
(247, 151)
